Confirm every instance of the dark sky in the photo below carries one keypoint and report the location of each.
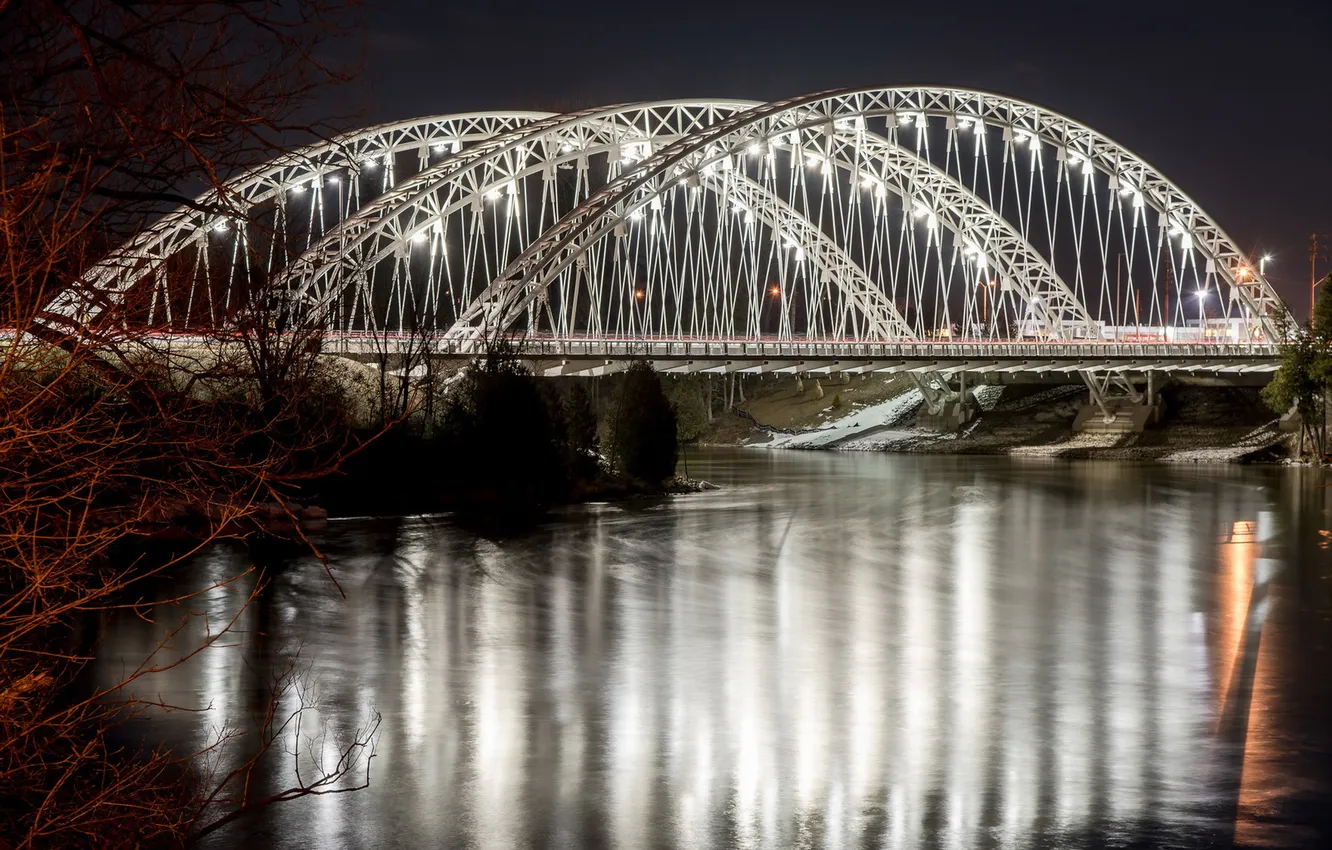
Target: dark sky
(1231, 101)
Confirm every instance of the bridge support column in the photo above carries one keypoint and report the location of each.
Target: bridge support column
(945, 408)
(1116, 405)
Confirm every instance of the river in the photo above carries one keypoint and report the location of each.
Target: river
(833, 650)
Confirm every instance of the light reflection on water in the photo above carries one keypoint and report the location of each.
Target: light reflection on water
(832, 651)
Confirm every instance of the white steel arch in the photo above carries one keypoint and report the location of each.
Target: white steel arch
(841, 113)
(390, 223)
(373, 151)
(393, 222)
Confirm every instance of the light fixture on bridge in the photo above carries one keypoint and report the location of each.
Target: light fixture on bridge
(370, 162)
(420, 236)
(298, 189)
(905, 118)
(965, 123)
(221, 225)
(1201, 293)
(636, 215)
(333, 178)
(439, 147)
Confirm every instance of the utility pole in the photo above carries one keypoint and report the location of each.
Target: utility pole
(1313, 277)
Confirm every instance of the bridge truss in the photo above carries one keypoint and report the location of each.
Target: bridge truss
(887, 215)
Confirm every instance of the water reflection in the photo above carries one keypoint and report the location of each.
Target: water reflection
(833, 651)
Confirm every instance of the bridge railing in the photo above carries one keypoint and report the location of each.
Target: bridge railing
(797, 349)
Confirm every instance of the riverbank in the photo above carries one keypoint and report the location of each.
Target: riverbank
(1201, 424)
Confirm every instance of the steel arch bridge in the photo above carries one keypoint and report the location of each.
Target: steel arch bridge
(857, 227)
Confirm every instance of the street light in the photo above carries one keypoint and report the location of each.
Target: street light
(985, 286)
(1262, 264)
(1202, 306)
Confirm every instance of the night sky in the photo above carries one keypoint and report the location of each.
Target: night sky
(1233, 102)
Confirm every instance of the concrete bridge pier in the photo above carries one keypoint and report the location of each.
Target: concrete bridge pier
(1116, 405)
(945, 409)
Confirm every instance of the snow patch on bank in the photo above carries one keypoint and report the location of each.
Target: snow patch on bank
(856, 423)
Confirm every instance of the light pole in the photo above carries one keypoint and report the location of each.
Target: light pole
(985, 286)
(1202, 306)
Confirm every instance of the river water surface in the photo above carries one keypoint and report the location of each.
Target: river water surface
(833, 650)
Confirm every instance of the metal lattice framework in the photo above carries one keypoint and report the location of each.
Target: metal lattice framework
(366, 163)
(870, 215)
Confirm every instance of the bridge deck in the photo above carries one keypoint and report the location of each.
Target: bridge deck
(1047, 359)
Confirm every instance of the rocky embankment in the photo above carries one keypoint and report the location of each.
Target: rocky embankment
(1201, 424)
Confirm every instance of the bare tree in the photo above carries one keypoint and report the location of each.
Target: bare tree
(112, 112)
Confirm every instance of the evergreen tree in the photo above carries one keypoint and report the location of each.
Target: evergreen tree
(691, 413)
(581, 422)
(642, 438)
(502, 448)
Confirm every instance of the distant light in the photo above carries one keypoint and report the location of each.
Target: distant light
(1201, 293)
(638, 293)
(992, 283)
(1267, 258)
(776, 290)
